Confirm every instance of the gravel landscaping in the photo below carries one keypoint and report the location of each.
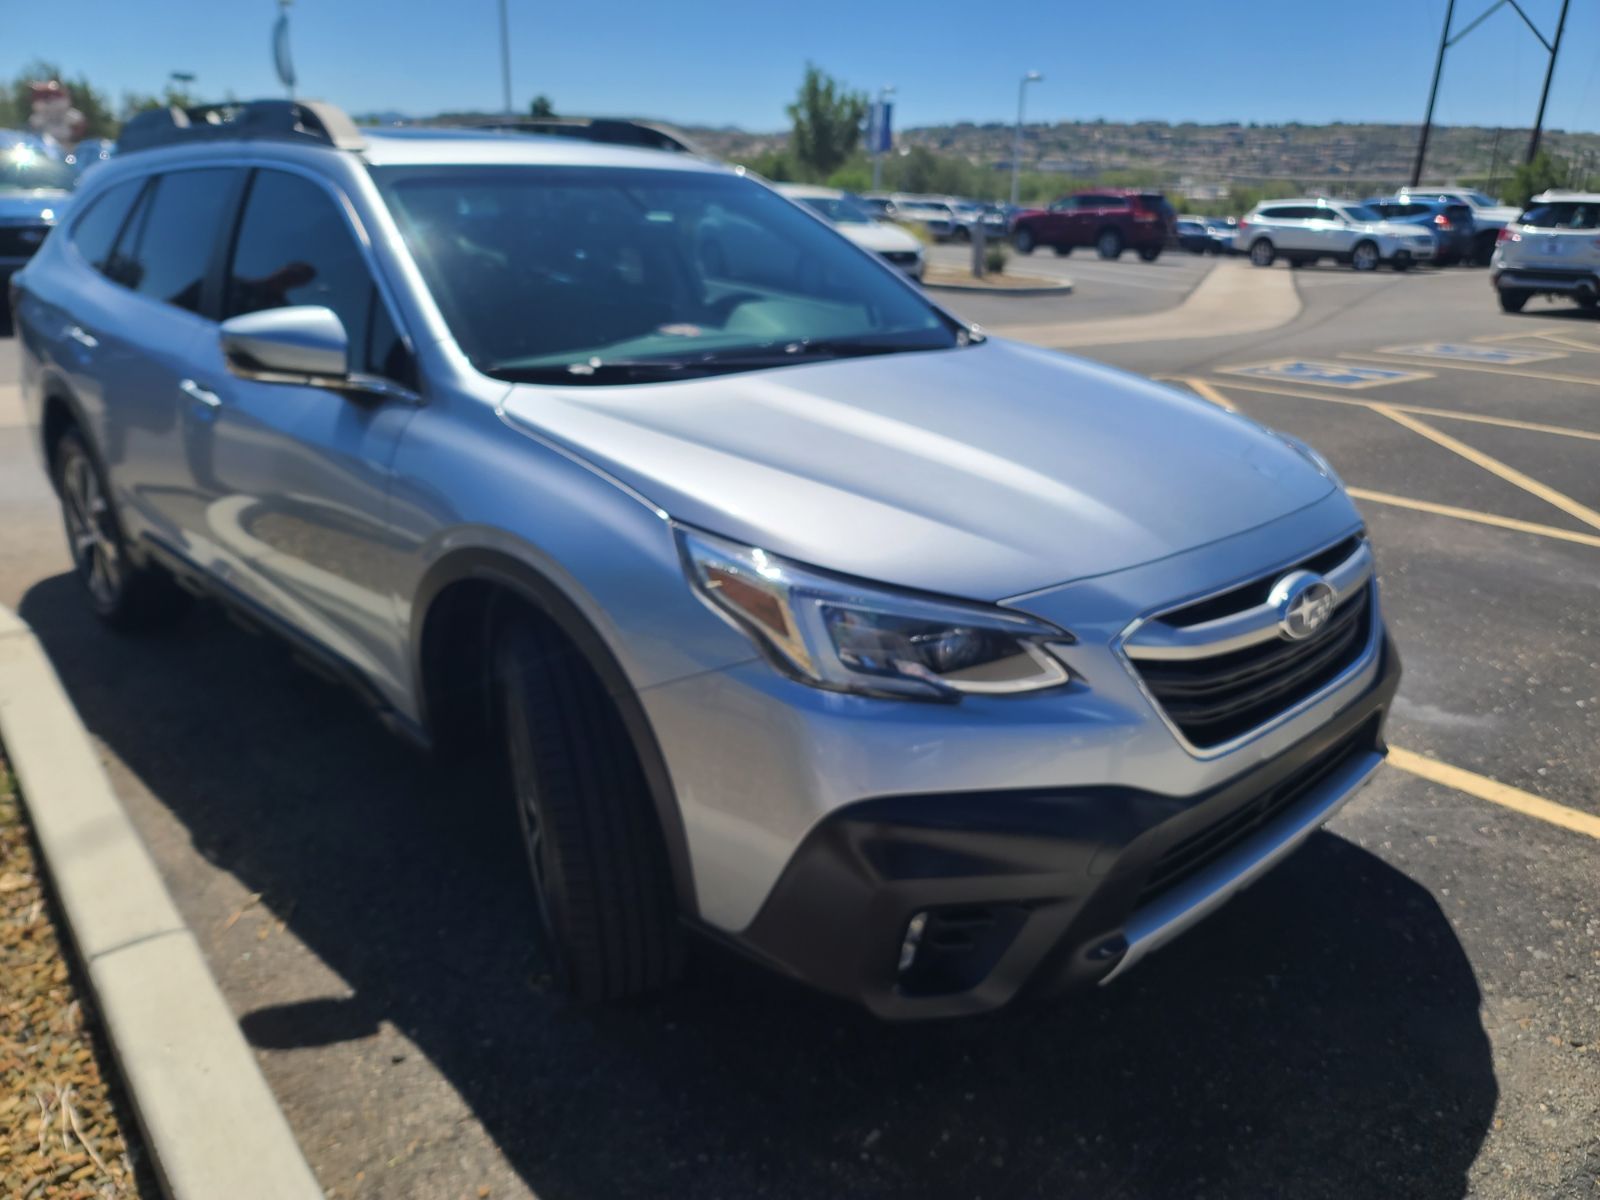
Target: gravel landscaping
(66, 1132)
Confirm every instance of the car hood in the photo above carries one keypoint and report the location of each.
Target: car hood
(985, 472)
(30, 205)
(879, 236)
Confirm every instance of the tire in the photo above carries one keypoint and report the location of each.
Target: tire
(1364, 257)
(1262, 252)
(1512, 300)
(1402, 260)
(1023, 241)
(1150, 253)
(1108, 243)
(1483, 247)
(123, 594)
(607, 923)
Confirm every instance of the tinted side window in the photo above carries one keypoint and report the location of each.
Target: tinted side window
(177, 229)
(295, 247)
(1278, 213)
(95, 231)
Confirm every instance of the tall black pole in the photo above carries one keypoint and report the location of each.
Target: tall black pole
(1555, 49)
(1494, 162)
(1433, 94)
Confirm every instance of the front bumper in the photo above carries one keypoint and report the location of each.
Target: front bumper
(1044, 889)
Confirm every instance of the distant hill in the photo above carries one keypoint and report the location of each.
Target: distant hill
(1198, 155)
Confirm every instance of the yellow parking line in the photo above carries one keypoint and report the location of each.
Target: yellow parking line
(1546, 376)
(1484, 788)
(1494, 466)
(1420, 409)
(1570, 342)
(1205, 391)
(1480, 518)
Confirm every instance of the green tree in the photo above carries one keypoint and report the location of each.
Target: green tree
(827, 123)
(1544, 172)
(541, 107)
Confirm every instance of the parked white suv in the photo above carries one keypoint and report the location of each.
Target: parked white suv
(1304, 231)
(1552, 248)
(846, 214)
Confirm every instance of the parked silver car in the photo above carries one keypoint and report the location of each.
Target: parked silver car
(920, 665)
(1306, 231)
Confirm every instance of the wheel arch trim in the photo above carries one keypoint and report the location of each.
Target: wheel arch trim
(503, 571)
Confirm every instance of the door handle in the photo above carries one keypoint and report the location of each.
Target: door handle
(202, 395)
(83, 337)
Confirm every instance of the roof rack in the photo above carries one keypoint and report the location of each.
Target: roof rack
(613, 131)
(309, 121)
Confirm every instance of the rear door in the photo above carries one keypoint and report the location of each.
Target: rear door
(163, 260)
(1288, 226)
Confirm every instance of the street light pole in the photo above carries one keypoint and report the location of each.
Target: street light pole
(1016, 141)
(505, 60)
(877, 155)
(1549, 74)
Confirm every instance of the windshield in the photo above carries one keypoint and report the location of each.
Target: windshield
(587, 275)
(839, 209)
(23, 168)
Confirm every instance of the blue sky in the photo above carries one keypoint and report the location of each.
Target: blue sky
(738, 61)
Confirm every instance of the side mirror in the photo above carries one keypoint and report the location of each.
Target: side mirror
(300, 344)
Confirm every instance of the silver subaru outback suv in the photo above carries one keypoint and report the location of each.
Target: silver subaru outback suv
(925, 667)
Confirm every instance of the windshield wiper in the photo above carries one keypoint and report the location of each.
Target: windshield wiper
(597, 370)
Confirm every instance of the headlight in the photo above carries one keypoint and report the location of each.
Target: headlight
(845, 635)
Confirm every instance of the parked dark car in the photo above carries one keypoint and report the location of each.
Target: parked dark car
(34, 191)
(1110, 221)
(1454, 231)
(1193, 236)
(1222, 231)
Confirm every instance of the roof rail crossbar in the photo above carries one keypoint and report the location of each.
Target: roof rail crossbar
(311, 121)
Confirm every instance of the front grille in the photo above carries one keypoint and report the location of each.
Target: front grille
(1212, 700)
(20, 241)
(1256, 591)
(900, 258)
(1205, 846)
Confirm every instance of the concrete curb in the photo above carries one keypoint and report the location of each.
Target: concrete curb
(1232, 300)
(210, 1122)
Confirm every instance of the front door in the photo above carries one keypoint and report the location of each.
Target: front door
(298, 477)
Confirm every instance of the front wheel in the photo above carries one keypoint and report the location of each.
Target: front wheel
(1402, 260)
(607, 920)
(1262, 253)
(123, 594)
(1150, 253)
(1023, 241)
(1109, 244)
(1365, 257)
(1512, 300)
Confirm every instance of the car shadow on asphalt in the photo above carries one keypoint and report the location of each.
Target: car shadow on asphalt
(1318, 1038)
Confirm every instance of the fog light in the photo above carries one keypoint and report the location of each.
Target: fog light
(913, 939)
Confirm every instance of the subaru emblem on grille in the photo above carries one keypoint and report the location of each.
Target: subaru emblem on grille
(1304, 601)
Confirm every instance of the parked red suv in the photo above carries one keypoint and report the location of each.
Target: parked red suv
(1109, 221)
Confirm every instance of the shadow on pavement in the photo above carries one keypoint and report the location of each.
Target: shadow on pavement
(1319, 1038)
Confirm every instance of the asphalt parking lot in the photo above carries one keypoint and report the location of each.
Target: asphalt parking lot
(1409, 1007)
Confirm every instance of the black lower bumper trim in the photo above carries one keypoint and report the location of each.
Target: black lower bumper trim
(1025, 889)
